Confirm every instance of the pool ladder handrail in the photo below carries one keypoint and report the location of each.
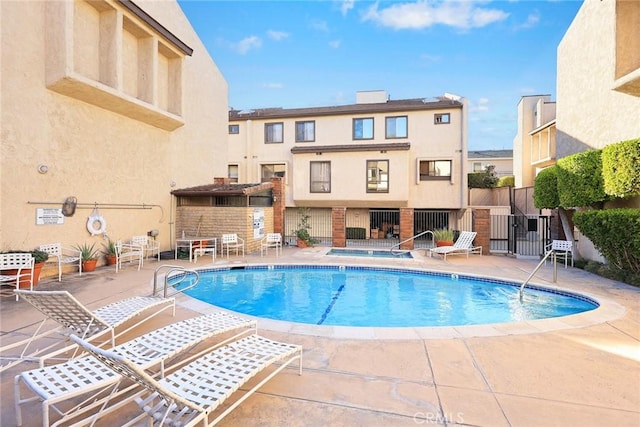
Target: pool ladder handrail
(535, 270)
(397, 245)
(174, 271)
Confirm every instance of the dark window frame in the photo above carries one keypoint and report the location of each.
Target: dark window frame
(406, 127)
(237, 178)
(428, 176)
(311, 178)
(234, 129)
(362, 119)
(442, 118)
(267, 127)
(378, 181)
(303, 122)
(274, 172)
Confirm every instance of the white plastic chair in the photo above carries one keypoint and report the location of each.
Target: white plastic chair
(188, 396)
(98, 386)
(232, 241)
(562, 249)
(128, 252)
(21, 264)
(149, 246)
(204, 247)
(271, 240)
(62, 255)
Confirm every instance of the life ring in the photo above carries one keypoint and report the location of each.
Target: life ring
(91, 224)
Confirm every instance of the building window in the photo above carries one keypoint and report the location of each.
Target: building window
(234, 129)
(442, 119)
(477, 167)
(435, 170)
(363, 128)
(273, 133)
(320, 177)
(305, 131)
(396, 127)
(232, 173)
(272, 170)
(377, 176)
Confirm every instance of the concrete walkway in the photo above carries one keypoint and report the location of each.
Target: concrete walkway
(581, 370)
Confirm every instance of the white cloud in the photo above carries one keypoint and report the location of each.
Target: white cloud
(335, 44)
(479, 106)
(273, 85)
(277, 35)
(248, 43)
(425, 57)
(319, 25)
(346, 6)
(532, 20)
(422, 14)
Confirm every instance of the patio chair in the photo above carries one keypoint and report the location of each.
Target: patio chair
(61, 255)
(190, 395)
(61, 387)
(74, 317)
(232, 241)
(128, 252)
(204, 247)
(271, 240)
(149, 246)
(562, 249)
(16, 268)
(464, 245)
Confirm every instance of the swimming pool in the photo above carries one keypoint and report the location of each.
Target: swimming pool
(378, 297)
(398, 254)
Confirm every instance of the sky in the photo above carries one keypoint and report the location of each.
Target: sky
(303, 53)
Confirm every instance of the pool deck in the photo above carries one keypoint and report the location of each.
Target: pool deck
(580, 370)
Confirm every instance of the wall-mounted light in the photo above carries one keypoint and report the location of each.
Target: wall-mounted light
(319, 153)
(42, 168)
(173, 183)
(275, 199)
(383, 151)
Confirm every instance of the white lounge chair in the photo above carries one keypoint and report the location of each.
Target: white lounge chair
(191, 394)
(232, 241)
(74, 317)
(271, 240)
(464, 245)
(61, 387)
(128, 252)
(149, 246)
(204, 247)
(61, 255)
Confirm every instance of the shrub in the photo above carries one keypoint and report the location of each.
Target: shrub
(621, 168)
(615, 233)
(506, 181)
(481, 180)
(580, 179)
(545, 190)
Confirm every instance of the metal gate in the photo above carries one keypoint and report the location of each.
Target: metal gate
(521, 235)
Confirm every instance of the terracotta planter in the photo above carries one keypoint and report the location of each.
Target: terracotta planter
(302, 244)
(89, 265)
(111, 259)
(444, 243)
(24, 281)
(374, 233)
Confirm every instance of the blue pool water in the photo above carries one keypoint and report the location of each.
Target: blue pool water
(370, 253)
(378, 297)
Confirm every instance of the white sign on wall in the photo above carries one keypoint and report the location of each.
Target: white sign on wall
(258, 223)
(47, 216)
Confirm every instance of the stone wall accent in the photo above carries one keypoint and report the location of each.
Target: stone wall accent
(278, 205)
(406, 228)
(339, 227)
(482, 226)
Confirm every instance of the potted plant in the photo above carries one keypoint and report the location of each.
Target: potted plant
(302, 232)
(110, 252)
(39, 258)
(443, 237)
(89, 256)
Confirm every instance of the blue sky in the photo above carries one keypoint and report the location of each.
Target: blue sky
(295, 54)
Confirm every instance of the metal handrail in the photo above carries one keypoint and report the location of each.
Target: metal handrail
(174, 269)
(397, 245)
(535, 270)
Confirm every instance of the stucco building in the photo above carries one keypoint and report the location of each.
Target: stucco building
(108, 102)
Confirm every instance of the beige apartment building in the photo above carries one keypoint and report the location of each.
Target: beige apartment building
(500, 160)
(378, 155)
(109, 104)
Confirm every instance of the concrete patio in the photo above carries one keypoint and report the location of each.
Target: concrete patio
(581, 370)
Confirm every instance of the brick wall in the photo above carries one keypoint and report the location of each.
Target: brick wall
(339, 227)
(482, 226)
(406, 228)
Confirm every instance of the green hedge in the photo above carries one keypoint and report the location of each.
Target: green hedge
(507, 181)
(580, 180)
(615, 233)
(545, 189)
(621, 168)
(481, 180)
